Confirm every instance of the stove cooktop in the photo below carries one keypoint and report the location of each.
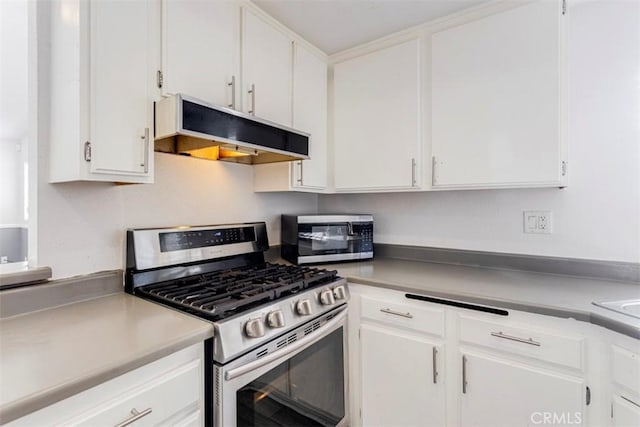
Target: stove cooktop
(221, 294)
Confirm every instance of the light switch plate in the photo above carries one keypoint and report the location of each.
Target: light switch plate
(537, 222)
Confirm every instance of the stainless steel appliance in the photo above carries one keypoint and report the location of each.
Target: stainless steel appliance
(188, 126)
(279, 355)
(308, 239)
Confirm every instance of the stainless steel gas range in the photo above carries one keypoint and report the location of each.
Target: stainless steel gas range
(279, 354)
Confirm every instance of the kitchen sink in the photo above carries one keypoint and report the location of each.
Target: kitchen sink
(630, 307)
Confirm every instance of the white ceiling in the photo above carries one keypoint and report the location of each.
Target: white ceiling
(336, 25)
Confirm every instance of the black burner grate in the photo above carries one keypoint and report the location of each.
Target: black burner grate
(220, 294)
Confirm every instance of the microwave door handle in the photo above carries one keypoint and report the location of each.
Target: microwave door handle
(287, 350)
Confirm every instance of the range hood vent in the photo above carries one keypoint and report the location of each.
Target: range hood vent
(191, 127)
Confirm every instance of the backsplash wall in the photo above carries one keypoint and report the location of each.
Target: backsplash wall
(81, 226)
(598, 215)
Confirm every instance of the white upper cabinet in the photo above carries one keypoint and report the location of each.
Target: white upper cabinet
(201, 50)
(266, 69)
(309, 115)
(498, 100)
(377, 130)
(102, 90)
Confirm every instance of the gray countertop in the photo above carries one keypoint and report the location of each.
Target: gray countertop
(51, 354)
(555, 295)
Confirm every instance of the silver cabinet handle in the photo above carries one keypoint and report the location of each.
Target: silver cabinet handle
(464, 374)
(145, 157)
(433, 170)
(529, 341)
(397, 313)
(135, 417)
(300, 176)
(232, 84)
(435, 366)
(413, 172)
(252, 91)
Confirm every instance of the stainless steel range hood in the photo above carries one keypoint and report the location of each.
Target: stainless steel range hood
(191, 127)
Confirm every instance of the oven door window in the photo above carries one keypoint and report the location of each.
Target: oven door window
(306, 390)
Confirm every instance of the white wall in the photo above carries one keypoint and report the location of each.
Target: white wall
(82, 225)
(598, 215)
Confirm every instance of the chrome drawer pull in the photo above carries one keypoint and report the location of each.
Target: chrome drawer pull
(529, 341)
(397, 313)
(136, 416)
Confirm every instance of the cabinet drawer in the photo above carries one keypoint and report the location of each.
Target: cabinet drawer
(164, 395)
(626, 369)
(172, 387)
(407, 315)
(503, 337)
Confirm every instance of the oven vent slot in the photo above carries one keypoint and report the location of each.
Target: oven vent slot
(262, 353)
(287, 340)
(314, 326)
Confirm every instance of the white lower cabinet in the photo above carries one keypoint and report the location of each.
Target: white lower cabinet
(421, 363)
(500, 392)
(625, 367)
(624, 412)
(401, 382)
(169, 391)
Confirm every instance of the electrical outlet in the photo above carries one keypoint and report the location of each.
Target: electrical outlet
(537, 222)
(4, 259)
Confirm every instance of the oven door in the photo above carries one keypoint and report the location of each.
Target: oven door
(303, 383)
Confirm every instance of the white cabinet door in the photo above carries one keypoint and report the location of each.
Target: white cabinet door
(499, 392)
(309, 115)
(401, 382)
(201, 49)
(377, 120)
(121, 56)
(625, 412)
(498, 100)
(266, 69)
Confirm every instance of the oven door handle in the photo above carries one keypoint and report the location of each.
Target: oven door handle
(287, 350)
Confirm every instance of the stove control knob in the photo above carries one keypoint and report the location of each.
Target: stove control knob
(303, 307)
(275, 319)
(326, 297)
(254, 328)
(339, 292)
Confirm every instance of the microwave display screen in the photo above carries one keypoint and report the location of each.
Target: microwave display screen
(329, 237)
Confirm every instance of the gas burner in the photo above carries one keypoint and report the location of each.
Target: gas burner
(220, 294)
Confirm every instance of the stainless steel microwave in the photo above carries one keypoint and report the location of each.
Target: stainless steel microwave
(308, 239)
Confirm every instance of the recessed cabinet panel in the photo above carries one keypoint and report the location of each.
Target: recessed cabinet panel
(121, 136)
(401, 382)
(499, 392)
(201, 45)
(266, 69)
(498, 100)
(625, 412)
(377, 119)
